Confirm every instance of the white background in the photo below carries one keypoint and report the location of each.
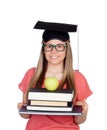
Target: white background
(20, 44)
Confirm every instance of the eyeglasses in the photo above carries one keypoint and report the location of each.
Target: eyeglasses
(58, 47)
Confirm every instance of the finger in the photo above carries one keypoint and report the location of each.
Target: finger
(79, 103)
(85, 106)
(19, 105)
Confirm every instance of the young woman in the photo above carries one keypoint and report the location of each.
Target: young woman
(56, 60)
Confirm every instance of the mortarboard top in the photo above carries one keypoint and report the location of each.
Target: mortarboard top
(56, 26)
(55, 30)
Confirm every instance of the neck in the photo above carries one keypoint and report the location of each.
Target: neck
(55, 68)
(56, 71)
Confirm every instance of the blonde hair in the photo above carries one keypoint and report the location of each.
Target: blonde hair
(68, 73)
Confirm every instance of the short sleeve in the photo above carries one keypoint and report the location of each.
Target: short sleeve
(82, 87)
(26, 79)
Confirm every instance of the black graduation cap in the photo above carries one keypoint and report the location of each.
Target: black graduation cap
(55, 30)
(55, 26)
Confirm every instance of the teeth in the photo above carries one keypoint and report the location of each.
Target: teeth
(53, 57)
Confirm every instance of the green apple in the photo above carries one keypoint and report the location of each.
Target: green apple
(51, 83)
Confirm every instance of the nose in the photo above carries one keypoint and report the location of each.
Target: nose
(53, 50)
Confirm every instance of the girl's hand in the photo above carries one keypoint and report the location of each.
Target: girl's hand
(19, 106)
(84, 105)
(82, 118)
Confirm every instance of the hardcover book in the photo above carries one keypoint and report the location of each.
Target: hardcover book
(77, 110)
(43, 94)
(50, 108)
(48, 103)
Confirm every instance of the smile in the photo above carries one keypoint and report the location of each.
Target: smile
(53, 57)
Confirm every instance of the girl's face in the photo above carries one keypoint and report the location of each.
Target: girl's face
(55, 51)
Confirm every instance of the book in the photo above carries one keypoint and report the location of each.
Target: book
(51, 108)
(44, 94)
(76, 111)
(48, 103)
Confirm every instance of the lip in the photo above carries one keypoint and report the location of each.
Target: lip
(53, 57)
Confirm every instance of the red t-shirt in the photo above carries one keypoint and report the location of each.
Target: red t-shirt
(47, 122)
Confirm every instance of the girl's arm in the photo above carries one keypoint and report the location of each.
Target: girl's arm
(82, 118)
(19, 106)
(25, 116)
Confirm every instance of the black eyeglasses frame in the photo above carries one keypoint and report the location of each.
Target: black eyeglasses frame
(54, 46)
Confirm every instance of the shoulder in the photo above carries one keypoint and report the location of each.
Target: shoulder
(78, 75)
(30, 71)
(26, 79)
(80, 79)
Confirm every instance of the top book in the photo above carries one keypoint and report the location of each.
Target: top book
(44, 94)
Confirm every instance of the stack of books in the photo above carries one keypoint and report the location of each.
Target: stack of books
(40, 99)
